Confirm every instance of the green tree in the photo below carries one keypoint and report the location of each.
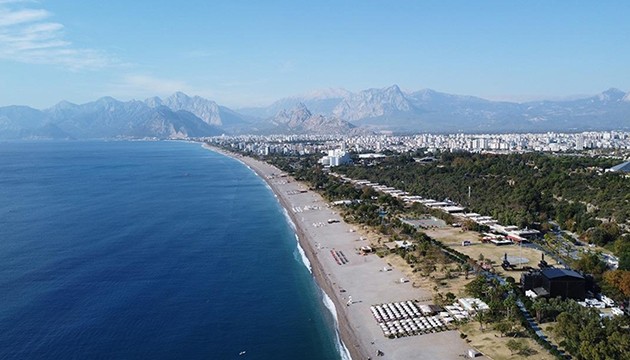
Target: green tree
(540, 305)
(503, 327)
(514, 346)
(450, 297)
(590, 263)
(466, 267)
(477, 287)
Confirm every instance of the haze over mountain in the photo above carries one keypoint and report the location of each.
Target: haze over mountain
(427, 110)
(103, 118)
(326, 112)
(319, 102)
(299, 120)
(207, 110)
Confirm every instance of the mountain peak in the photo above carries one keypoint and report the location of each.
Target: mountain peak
(393, 88)
(298, 111)
(300, 107)
(373, 103)
(153, 101)
(426, 91)
(612, 94)
(425, 95)
(299, 119)
(178, 96)
(207, 110)
(64, 104)
(107, 99)
(294, 117)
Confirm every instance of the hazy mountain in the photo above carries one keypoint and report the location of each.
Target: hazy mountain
(108, 117)
(606, 110)
(23, 122)
(207, 110)
(324, 112)
(319, 102)
(374, 103)
(300, 120)
(103, 118)
(427, 110)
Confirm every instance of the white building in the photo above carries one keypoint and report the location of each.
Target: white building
(335, 158)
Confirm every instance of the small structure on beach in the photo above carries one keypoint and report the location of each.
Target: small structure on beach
(366, 249)
(403, 244)
(393, 245)
(472, 353)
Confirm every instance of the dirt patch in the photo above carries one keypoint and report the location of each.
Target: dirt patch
(453, 237)
(491, 344)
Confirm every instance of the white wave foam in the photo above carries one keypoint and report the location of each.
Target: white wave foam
(305, 259)
(344, 353)
(289, 220)
(341, 347)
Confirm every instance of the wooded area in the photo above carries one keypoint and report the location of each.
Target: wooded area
(527, 190)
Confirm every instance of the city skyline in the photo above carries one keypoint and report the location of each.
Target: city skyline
(242, 54)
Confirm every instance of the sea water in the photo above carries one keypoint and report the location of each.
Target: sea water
(160, 250)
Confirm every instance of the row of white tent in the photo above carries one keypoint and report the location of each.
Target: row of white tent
(395, 311)
(413, 326)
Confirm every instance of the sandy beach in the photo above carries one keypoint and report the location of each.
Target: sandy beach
(357, 284)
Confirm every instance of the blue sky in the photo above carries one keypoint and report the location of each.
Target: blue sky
(242, 53)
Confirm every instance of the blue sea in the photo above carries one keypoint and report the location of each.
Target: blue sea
(149, 250)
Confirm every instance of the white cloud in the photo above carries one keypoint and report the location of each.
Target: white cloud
(16, 17)
(27, 35)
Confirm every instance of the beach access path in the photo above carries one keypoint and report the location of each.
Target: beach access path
(359, 283)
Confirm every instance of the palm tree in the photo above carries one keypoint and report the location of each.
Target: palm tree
(479, 316)
(510, 305)
(540, 305)
(466, 268)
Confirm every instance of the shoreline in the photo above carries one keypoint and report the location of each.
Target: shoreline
(358, 283)
(346, 333)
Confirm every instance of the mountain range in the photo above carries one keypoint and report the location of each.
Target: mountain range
(325, 112)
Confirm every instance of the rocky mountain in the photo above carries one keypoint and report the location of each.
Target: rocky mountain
(103, 118)
(300, 120)
(319, 102)
(108, 117)
(207, 110)
(374, 103)
(16, 121)
(427, 110)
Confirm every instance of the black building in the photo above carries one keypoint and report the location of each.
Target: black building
(552, 282)
(564, 283)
